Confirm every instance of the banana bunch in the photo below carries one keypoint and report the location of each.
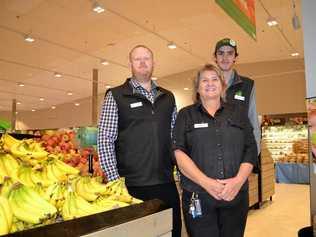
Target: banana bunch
(40, 176)
(29, 151)
(75, 206)
(7, 141)
(8, 165)
(1, 179)
(6, 216)
(88, 188)
(25, 175)
(116, 190)
(108, 204)
(58, 171)
(30, 207)
(55, 194)
(6, 186)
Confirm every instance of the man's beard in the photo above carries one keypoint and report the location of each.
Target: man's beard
(143, 76)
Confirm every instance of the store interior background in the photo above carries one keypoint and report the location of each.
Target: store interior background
(71, 39)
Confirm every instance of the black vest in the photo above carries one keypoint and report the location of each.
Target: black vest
(239, 92)
(143, 146)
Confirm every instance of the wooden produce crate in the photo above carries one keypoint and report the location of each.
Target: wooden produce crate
(253, 190)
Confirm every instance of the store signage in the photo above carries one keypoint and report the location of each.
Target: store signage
(242, 12)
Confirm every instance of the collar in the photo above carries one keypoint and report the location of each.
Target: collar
(235, 79)
(200, 106)
(136, 85)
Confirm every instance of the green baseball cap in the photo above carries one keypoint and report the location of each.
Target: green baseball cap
(226, 42)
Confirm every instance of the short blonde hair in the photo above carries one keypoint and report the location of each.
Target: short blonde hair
(197, 79)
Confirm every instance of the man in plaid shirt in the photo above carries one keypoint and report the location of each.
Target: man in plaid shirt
(135, 130)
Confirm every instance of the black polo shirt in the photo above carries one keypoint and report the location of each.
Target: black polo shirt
(217, 145)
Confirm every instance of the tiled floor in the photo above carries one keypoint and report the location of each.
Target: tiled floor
(283, 217)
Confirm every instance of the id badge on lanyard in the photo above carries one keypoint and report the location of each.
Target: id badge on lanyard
(195, 209)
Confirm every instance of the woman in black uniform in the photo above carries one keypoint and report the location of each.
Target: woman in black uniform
(216, 151)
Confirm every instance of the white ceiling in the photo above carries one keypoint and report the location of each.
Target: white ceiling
(71, 39)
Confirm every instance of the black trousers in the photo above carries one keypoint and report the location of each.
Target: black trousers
(219, 219)
(168, 194)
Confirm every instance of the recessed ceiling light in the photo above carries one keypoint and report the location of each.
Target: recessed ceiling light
(154, 78)
(53, 107)
(21, 84)
(69, 93)
(18, 103)
(16, 112)
(186, 88)
(108, 86)
(29, 38)
(77, 104)
(172, 45)
(104, 62)
(57, 74)
(295, 54)
(97, 7)
(272, 21)
(41, 99)
(33, 110)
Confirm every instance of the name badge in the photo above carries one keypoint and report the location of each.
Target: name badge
(239, 97)
(200, 125)
(137, 104)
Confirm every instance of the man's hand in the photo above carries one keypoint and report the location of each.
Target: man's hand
(231, 188)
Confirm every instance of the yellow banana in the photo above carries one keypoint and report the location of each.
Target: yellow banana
(20, 211)
(24, 175)
(97, 187)
(8, 140)
(11, 164)
(3, 170)
(6, 187)
(66, 168)
(4, 203)
(4, 225)
(1, 179)
(45, 180)
(50, 174)
(28, 195)
(83, 190)
(59, 174)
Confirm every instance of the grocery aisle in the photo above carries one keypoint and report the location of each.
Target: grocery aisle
(288, 212)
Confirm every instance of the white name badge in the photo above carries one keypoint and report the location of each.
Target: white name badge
(200, 125)
(137, 104)
(239, 97)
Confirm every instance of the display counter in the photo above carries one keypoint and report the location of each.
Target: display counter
(292, 173)
(148, 219)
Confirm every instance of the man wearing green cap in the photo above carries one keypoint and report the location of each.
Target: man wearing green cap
(240, 89)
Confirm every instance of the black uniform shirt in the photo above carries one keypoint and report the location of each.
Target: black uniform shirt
(217, 145)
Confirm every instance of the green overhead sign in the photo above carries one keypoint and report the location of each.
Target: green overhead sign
(242, 12)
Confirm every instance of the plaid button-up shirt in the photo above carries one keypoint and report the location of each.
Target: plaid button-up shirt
(108, 128)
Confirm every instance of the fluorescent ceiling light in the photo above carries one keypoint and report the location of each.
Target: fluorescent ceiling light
(108, 86)
(18, 103)
(57, 74)
(69, 93)
(41, 99)
(104, 62)
(29, 38)
(172, 45)
(186, 88)
(272, 21)
(21, 84)
(77, 104)
(53, 107)
(33, 110)
(154, 78)
(16, 112)
(295, 54)
(97, 8)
